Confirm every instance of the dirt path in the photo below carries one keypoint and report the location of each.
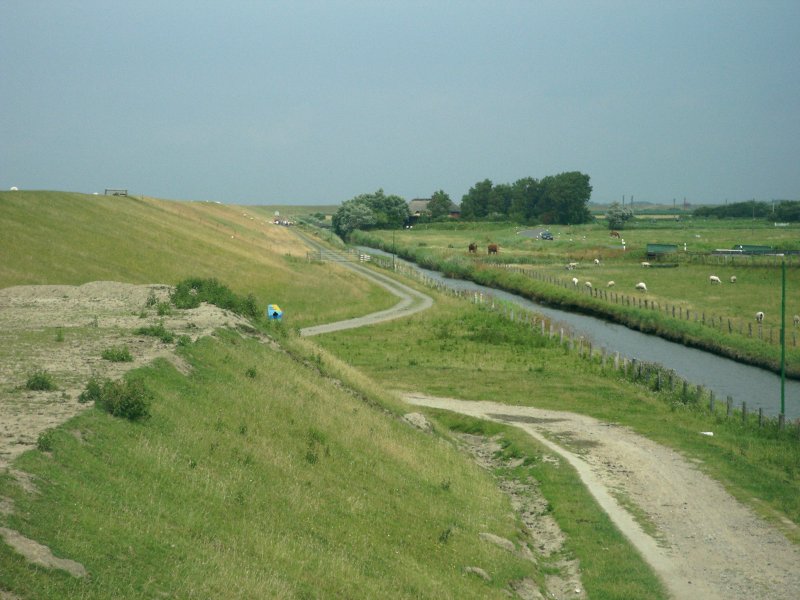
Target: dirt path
(708, 545)
(411, 301)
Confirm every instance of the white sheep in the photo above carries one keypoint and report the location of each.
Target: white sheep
(796, 320)
(733, 278)
(714, 279)
(759, 316)
(572, 265)
(575, 281)
(641, 286)
(645, 264)
(588, 284)
(611, 284)
(597, 261)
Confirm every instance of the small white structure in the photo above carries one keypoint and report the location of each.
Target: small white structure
(641, 286)
(714, 279)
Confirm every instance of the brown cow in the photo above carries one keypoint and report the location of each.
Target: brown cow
(614, 234)
(473, 248)
(492, 248)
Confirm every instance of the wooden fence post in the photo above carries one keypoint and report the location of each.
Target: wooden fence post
(729, 407)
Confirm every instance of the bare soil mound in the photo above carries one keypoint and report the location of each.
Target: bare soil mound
(63, 330)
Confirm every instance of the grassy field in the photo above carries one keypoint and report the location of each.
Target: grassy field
(721, 316)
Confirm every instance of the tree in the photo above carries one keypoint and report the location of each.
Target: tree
(440, 204)
(564, 198)
(352, 214)
(525, 194)
(370, 210)
(475, 203)
(617, 215)
(499, 200)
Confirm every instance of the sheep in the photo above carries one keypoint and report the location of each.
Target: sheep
(588, 284)
(714, 279)
(759, 316)
(733, 278)
(641, 286)
(796, 320)
(575, 281)
(597, 261)
(572, 265)
(611, 284)
(645, 264)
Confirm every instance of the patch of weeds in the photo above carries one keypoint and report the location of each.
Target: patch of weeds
(40, 381)
(117, 354)
(444, 537)
(445, 485)
(316, 446)
(143, 314)
(251, 372)
(151, 299)
(163, 309)
(183, 341)
(59, 335)
(158, 331)
(44, 442)
(92, 391)
(129, 399)
(242, 429)
(189, 293)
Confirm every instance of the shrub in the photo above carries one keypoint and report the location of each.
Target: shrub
(40, 381)
(129, 399)
(117, 354)
(163, 309)
(92, 391)
(189, 293)
(158, 331)
(44, 443)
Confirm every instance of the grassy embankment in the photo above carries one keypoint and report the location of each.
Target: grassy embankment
(255, 476)
(720, 316)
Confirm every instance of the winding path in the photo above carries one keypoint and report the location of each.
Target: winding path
(411, 300)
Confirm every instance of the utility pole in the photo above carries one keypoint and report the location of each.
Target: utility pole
(783, 336)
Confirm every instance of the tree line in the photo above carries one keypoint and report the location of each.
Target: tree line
(561, 199)
(783, 211)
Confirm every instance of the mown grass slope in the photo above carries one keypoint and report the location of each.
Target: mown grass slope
(69, 238)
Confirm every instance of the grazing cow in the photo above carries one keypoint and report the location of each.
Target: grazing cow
(492, 249)
(575, 281)
(614, 234)
(611, 284)
(759, 316)
(796, 320)
(641, 286)
(733, 278)
(473, 248)
(645, 264)
(714, 279)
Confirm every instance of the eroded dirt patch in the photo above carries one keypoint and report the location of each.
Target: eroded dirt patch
(63, 330)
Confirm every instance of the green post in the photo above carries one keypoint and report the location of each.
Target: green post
(783, 335)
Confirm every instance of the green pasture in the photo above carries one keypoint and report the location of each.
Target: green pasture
(721, 314)
(69, 238)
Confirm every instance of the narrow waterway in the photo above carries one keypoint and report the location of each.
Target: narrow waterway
(757, 387)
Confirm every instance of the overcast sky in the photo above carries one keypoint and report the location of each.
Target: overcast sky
(303, 102)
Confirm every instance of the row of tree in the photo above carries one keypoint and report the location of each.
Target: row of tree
(559, 199)
(784, 211)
